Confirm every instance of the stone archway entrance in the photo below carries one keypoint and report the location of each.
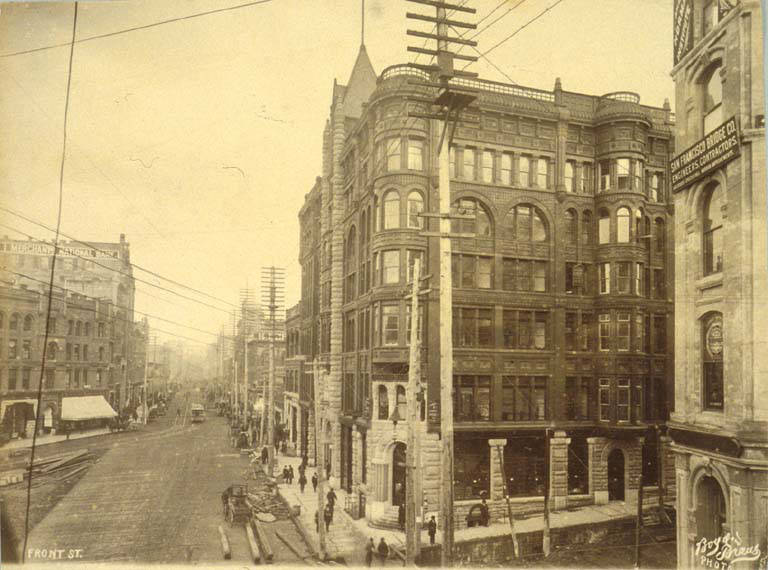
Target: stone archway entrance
(616, 475)
(710, 509)
(398, 474)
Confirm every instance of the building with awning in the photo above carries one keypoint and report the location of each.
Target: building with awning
(83, 408)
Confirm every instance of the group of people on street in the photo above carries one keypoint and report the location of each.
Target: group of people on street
(381, 551)
(289, 475)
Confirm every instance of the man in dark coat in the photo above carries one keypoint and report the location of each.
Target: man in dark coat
(314, 482)
(432, 530)
(370, 547)
(302, 481)
(331, 496)
(328, 516)
(264, 455)
(383, 551)
(484, 514)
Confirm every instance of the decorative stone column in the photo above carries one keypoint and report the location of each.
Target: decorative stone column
(598, 470)
(558, 470)
(497, 481)
(633, 470)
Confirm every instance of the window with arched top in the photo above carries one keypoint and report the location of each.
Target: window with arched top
(622, 225)
(655, 187)
(383, 398)
(401, 402)
(415, 208)
(78, 328)
(712, 361)
(586, 227)
(712, 228)
(639, 226)
(604, 227)
(13, 324)
(571, 227)
(480, 222)
(527, 224)
(28, 323)
(713, 98)
(391, 218)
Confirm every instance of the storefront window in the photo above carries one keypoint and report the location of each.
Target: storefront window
(578, 466)
(471, 468)
(524, 466)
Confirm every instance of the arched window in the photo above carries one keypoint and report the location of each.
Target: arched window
(586, 227)
(712, 361)
(480, 225)
(28, 323)
(571, 227)
(383, 403)
(713, 231)
(528, 224)
(415, 207)
(78, 328)
(53, 350)
(401, 408)
(658, 234)
(655, 187)
(604, 227)
(713, 99)
(391, 210)
(14, 322)
(87, 329)
(639, 226)
(622, 225)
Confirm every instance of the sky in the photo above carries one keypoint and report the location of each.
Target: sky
(198, 139)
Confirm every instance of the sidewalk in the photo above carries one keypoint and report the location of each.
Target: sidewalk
(347, 537)
(48, 438)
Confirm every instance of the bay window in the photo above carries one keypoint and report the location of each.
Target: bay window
(415, 208)
(390, 267)
(391, 210)
(622, 331)
(605, 278)
(390, 324)
(623, 277)
(415, 154)
(623, 173)
(604, 331)
(622, 225)
(393, 153)
(605, 175)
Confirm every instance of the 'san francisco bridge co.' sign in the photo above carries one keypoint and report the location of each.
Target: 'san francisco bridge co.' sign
(717, 148)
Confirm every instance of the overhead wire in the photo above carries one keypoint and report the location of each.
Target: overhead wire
(59, 209)
(115, 318)
(129, 275)
(137, 28)
(96, 248)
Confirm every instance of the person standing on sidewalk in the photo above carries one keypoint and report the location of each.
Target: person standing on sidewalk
(314, 482)
(302, 481)
(328, 516)
(370, 548)
(383, 551)
(432, 530)
(331, 496)
(291, 474)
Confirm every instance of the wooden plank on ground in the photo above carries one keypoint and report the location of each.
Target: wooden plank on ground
(261, 534)
(305, 535)
(254, 546)
(225, 547)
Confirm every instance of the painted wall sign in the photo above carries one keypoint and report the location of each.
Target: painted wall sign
(34, 248)
(714, 150)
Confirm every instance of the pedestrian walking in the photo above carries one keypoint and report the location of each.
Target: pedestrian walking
(264, 455)
(328, 470)
(302, 469)
(314, 482)
(328, 516)
(484, 514)
(331, 496)
(370, 548)
(302, 481)
(383, 551)
(304, 461)
(401, 516)
(432, 530)
(285, 474)
(291, 474)
(317, 522)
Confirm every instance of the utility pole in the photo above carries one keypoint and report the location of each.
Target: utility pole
(450, 100)
(272, 292)
(146, 368)
(639, 521)
(412, 451)
(546, 543)
(234, 364)
(319, 380)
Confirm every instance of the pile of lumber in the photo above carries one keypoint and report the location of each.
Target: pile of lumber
(60, 467)
(267, 502)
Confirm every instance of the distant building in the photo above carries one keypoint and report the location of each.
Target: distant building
(720, 421)
(296, 415)
(562, 315)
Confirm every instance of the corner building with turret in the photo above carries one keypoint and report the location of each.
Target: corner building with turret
(562, 295)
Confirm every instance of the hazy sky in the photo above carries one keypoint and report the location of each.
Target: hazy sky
(198, 139)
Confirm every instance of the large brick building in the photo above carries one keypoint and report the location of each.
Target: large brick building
(562, 301)
(720, 420)
(89, 345)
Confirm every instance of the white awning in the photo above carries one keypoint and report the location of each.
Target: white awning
(6, 403)
(86, 408)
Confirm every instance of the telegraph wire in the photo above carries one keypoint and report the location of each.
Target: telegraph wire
(118, 306)
(123, 272)
(136, 28)
(90, 245)
(51, 283)
(518, 30)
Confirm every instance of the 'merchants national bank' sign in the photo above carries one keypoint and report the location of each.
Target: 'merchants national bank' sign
(718, 147)
(37, 248)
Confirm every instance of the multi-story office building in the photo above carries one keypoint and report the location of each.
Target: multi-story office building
(562, 300)
(292, 409)
(96, 270)
(720, 420)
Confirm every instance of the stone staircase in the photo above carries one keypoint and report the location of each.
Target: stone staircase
(387, 520)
